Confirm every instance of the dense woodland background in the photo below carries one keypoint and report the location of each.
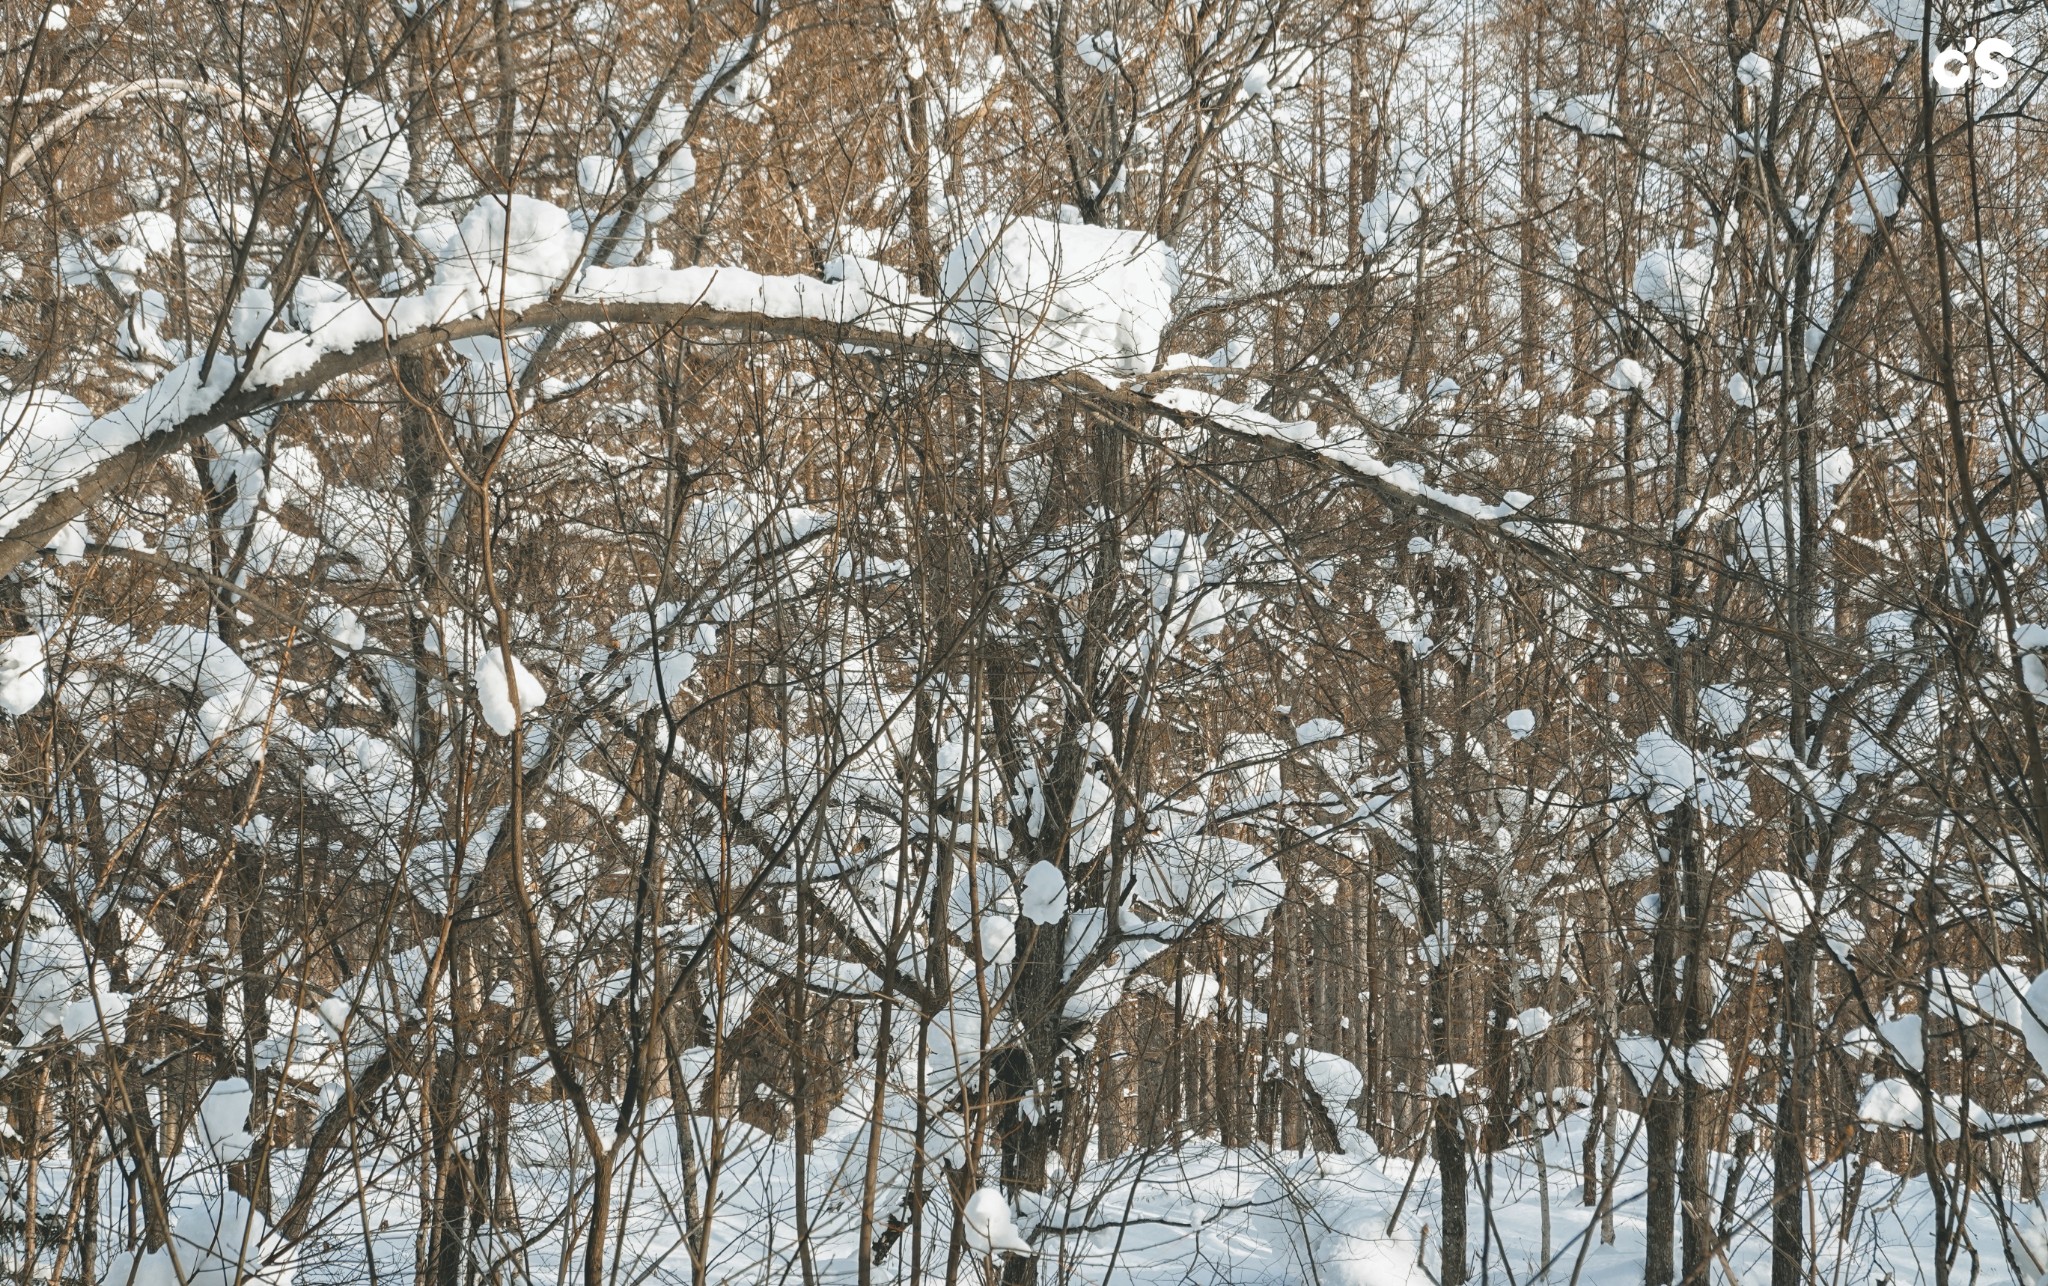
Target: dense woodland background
(1522, 684)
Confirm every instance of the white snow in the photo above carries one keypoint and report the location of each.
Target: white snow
(1037, 298)
(1590, 114)
(1336, 1080)
(1902, 1035)
(1778, 903)
(1250, 897)
(513, 251)
(221, 1125)
(1315, 730)
(1677, 282)
(597, 175)
(1044, 893)
(1874, 199)
(495, 694)
(364, 146)
(220, 1240)
(1270, 76)
(2034, 1021)
(1707, 1064)
(1724, 706)
(56, 987)
(986, 1224)
(1907, 18)
(1647, 1059)
(1449, 1080)
(1099, 51)
(1345, 448)
(870, 276)
(2033, 438)
(1092, 821)
(739, 75)
(1520, 723)
(48, 440)
(340, 626)
(1192, 876)
(1252, 762)
(1196, 996)
(1630, 375)
(1670, 772)
(23, 676)
(1834, 467)
(1396, 612)
(998, 939)
(1890, 634)
(1893, 1103)
(1387, 219)
(2000, 995)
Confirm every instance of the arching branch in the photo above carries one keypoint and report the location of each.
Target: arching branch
(795, 308)
(169, 87)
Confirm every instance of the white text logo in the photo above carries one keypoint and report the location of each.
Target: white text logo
(1953, 68)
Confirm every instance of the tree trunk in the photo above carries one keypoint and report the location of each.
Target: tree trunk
(1447, 1135)
(1788, 1148)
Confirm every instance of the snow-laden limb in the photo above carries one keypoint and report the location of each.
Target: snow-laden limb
(862, 302)
(49, 478)
(1397, 481)
(101, 97)
(51, 441)
(508, 269)
(1895, 1104)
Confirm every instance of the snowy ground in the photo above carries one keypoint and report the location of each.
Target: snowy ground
(1200, 1214)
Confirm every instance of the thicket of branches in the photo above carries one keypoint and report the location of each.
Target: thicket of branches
(1550, 638)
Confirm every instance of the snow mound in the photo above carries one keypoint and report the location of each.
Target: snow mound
(1045, 894)
(986, 1224)
(1337, 1081)
(1906, 18)
(516, 248)
(496, 695)
(40, 431)
(1037, 298)
(221, 1127)
(363, 143)
(1777, 901)
(1669, 772)
(22, 676)
(221, 1241)
(1677, 283)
